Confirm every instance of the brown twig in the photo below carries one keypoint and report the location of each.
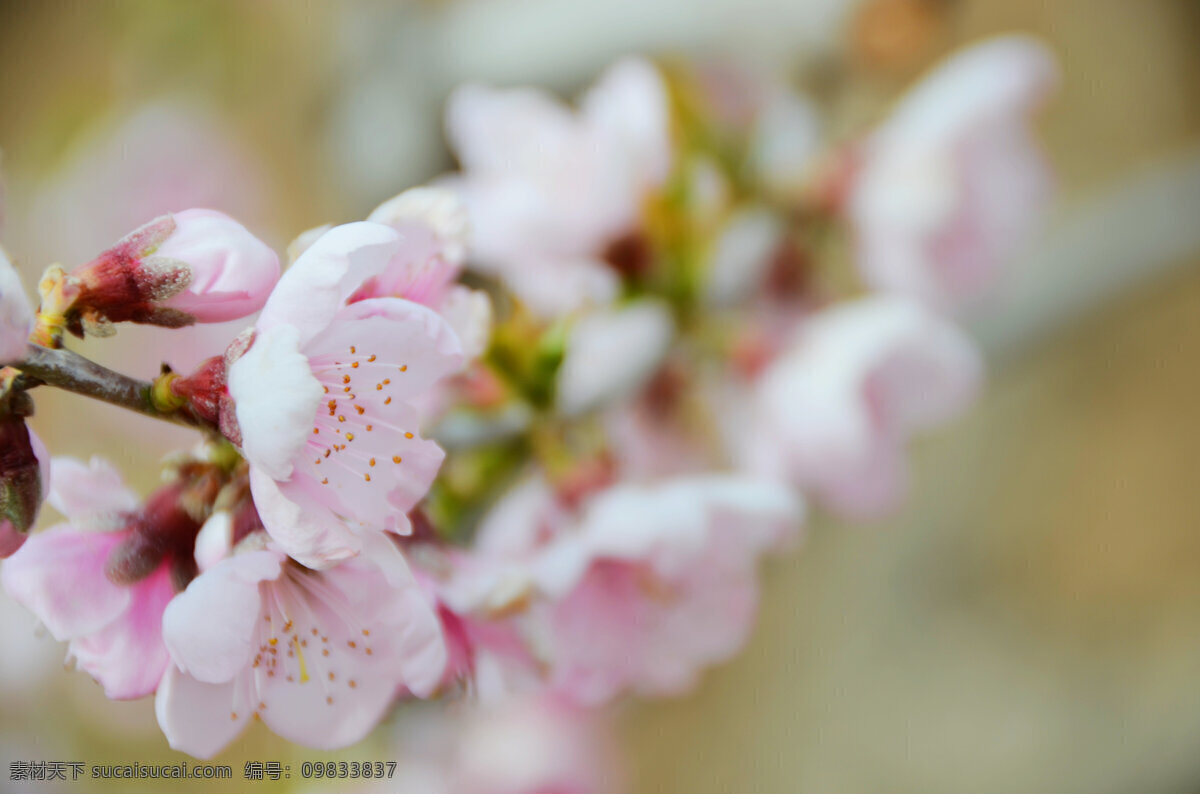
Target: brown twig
(74, 373)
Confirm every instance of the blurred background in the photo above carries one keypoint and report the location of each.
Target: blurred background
(1029, 622)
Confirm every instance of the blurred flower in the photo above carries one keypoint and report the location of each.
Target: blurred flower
(786, 141)
(323, 398)
(432, 221)
(533, 746)
(611, 352)
(76, 578)
(16, 314)
(549, 190)
(161, 158)
(316, 655)
(834, 412)
(641, 589)
(742, 255)
(953, 182)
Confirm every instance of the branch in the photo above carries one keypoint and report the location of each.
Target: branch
(74, 373)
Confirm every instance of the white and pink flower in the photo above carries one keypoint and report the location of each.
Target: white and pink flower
(548, 189)
(65, 576)
(432, 221)
(639, 590)
(953, 183)
(325, 398)
(316, 655)
(834, 412)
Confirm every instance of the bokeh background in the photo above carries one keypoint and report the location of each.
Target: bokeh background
(1029, 622)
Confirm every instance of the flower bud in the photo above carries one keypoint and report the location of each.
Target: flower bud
(24, 480)
(164, 529)
(192, 266)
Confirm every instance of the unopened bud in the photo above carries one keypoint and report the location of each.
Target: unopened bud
(204, 390)
(193, 266)
(133, 559)
(24, 480)
(164, 530)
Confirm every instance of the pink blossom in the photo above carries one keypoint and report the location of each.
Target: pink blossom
(953, 183)
(65, 576)
(195, 265)
(316, 655)
(548, 190)
(125, 169)
(833, 414)
(16, 314)
(324, 398)
(639, 590)
(432, 221)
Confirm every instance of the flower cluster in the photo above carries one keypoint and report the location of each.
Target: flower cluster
(530, 430)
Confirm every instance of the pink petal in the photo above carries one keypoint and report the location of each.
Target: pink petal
(59, 576)
(92, 491)
(349, 638)
(364, 458)
(303, 526)
(214, 542)
(507, 131)
(837, 409)
(992, 79)
(209, 628)
(469, 313)
(128, 656)
(629, 105)
(315, 288)
(197, 718)
(435, 208)
(232, 270)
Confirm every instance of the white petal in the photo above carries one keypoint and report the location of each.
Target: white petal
(610, 354)
(276, 398)
(209, 627)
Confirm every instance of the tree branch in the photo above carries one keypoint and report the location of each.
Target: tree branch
(74, 373)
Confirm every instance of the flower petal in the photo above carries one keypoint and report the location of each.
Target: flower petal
(611, 353)
(197, 718)
(93, 492)
(59, 576)
(276, 398)
(314, 289)
(209, 628)
(360, 631)
(303, 526)
(128, 656)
